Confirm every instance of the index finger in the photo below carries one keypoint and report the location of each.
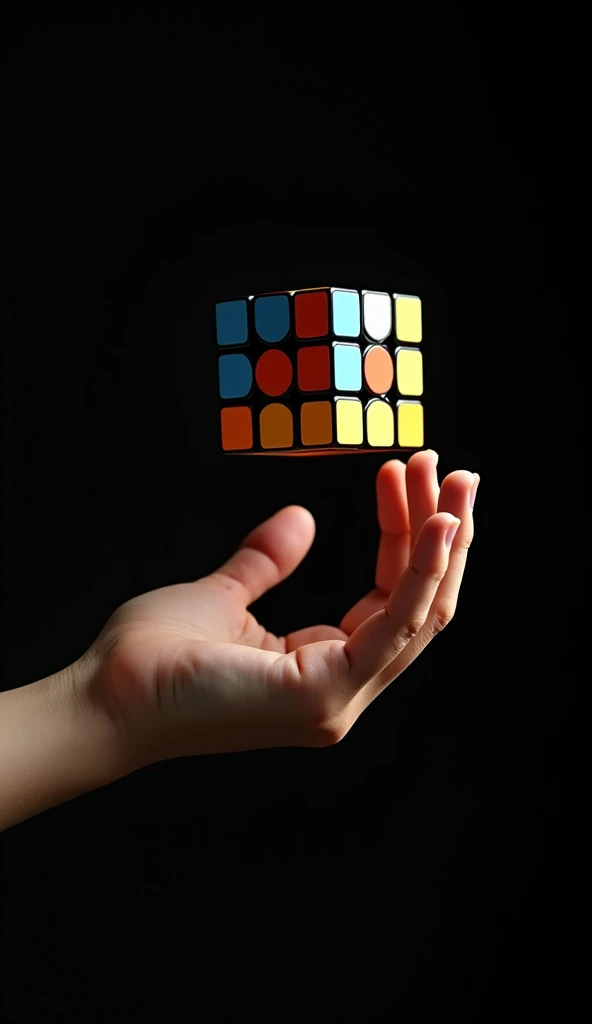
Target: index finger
(422, 489)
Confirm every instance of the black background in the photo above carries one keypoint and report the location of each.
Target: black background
(160, 157)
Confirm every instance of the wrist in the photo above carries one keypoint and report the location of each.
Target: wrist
(55, 743)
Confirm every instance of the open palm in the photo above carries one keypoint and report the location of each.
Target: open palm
(188, 669)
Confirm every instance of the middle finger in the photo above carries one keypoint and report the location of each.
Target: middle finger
(422, 490)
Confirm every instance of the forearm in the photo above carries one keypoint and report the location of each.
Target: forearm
(54, 745)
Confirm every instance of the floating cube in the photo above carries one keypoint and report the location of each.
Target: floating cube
(320, 371)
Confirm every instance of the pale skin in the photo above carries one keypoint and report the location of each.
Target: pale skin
(187, 669)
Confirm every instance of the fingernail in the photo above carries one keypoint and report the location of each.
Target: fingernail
(474, 491)
(432, 452)
(451, 532)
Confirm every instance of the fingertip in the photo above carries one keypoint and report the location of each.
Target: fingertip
(435, 529)
(440, 521)
(388, 466)
(462, 477)
(305, 519)
(422, 463)
(451, 531)
(301, 511)
(391, 474)
(293, 519)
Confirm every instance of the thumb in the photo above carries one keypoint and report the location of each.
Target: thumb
(269, 553)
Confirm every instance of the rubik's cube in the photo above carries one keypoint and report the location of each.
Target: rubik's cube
(321, 370)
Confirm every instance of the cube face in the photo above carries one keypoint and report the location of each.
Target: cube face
(320, 371)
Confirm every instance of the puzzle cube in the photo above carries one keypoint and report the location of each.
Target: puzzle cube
(320, 371)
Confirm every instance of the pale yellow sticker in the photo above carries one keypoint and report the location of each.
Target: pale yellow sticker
(409, 371)
(408, 318)
(380, 425)
(350, 429)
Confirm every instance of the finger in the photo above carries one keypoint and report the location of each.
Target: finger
(269, 554)
(457, 493)
(393, 548)
(313, 635)
(382, 637)
(393, 519)
(455, 499)
(422, 490)
(372, 602)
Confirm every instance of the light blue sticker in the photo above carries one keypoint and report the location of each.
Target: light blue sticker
(348, 367)
(236, 376)
(346, 314)
(231, 322)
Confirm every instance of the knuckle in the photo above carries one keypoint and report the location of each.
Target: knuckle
(228, 578)
(465, 540)
(327, 729)
(433, 577)
(410, 629)
(441, 618)
(329, 735)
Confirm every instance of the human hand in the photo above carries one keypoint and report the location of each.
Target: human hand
(187, 669)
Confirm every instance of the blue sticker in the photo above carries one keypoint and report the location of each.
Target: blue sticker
(231, 322)
(236, 376)
(272, 317)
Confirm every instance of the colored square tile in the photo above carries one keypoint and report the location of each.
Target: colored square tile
(311, 314)
(409, 371)
(231, 322)
(276, 426)
(237, 428)
(378, 315)
(348, 366)
(380, 424)
(410, 424)
(316, 423)
(235, 375)
(350, 427)
(346, 313)
(272, 317)
(408, 318)
(314, 368)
